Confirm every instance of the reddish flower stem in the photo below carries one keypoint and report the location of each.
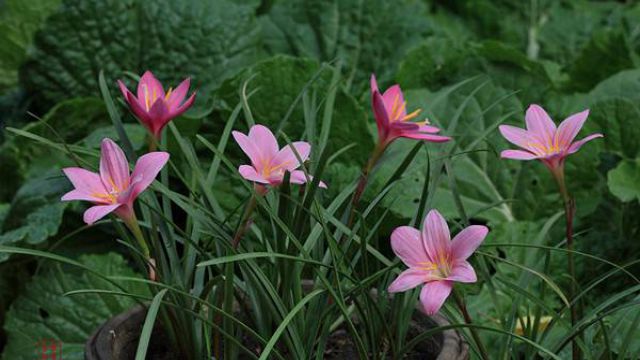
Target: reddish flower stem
(569, 211)
(364, 179)
(467, 319)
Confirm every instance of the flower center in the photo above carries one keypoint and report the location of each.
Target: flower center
(398, 108)
(278, 170)
(439, 270)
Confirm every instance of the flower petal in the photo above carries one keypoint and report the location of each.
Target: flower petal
(429, 129)
(139, 110)
(147, 168)
(125, 91)
(299, 177)
(114, 167)
(540, 124)
(380, 113)
(463, 272)
(406, 243)
(569, 128)
(517, 136)
(408, 279)
(149, 88)
(97, 212)
(81, 195)
(578, 144)
(250, 148)
(85, 181)
(178, 94)
(422, 136)
(517, 155)
(286, 159)
(182, 108)
(394, 102)
(249, 172)
(434, 294)
(265, 142)
(158, 117)
(436, 237)
(373, 83)
(467, 241)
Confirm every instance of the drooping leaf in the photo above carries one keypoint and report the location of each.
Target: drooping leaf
(41, 312)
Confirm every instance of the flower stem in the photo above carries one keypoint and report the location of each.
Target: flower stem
(364, 179)
(569, 211)
(467, 319)
(246, 217)
(132, 223)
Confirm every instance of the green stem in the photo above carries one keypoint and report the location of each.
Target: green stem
(364, 179)
(244, 222)
(569, 211)
(134, 226)
(467, 319)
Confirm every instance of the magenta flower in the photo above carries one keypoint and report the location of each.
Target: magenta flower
(434, 260)
(153, 107)
(390, 111)
(543, 141)
(113, 189)
(268, 162)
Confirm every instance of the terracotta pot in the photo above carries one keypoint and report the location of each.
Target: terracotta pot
(117, 339)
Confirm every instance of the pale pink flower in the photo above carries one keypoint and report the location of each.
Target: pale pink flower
(543, 141)
(434, 260)
(113, 189)
(155, 108)
(268, 162)
(390, 111)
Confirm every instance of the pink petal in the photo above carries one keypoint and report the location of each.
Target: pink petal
(380, 113)
(84, 181)
(463, 272)
(286, 159)
(570, 127)
(264, 141)
(516, 136)
(517, 155)
(251, 149)
(393, 97)
(540, 124)
(158, 116)
(138, 110)
(298, 177)
(96, 213)
(434, 294)
(114, 167)
(429, 129)
(467, 241)
(578, 144)
(408, 279)
(373, 83)
(81, 195)
(147, 168)
(184, 107)
(179, 93)
(436, 237)
(407, 245)
(249, 173)
(149, 86)
(124, 90)
(422, 136)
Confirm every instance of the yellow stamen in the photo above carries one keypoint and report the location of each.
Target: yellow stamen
(146, 96)
(413, 115)
(394, 107)
(166, 97)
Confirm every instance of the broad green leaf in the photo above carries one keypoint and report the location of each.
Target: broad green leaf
(41, 312)
(624, 180)
(19, 20)
(208, 40)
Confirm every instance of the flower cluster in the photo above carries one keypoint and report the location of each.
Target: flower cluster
(434, 261)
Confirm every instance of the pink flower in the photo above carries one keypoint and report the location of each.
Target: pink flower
(390, 111)
(434, 260)
(268, 162)
(153, 107)
(543, 141)
(113, 189)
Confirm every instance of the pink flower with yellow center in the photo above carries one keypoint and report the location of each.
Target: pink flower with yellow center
(155, 108)
(268, 162)
(434, 260)
(113, 189)
(543, 141)
(390, 110)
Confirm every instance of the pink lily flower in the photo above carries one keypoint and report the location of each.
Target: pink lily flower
(153, 107)
(543, 141)
(390, 111)
(113, 189)
(434, 259)
(268, 162)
